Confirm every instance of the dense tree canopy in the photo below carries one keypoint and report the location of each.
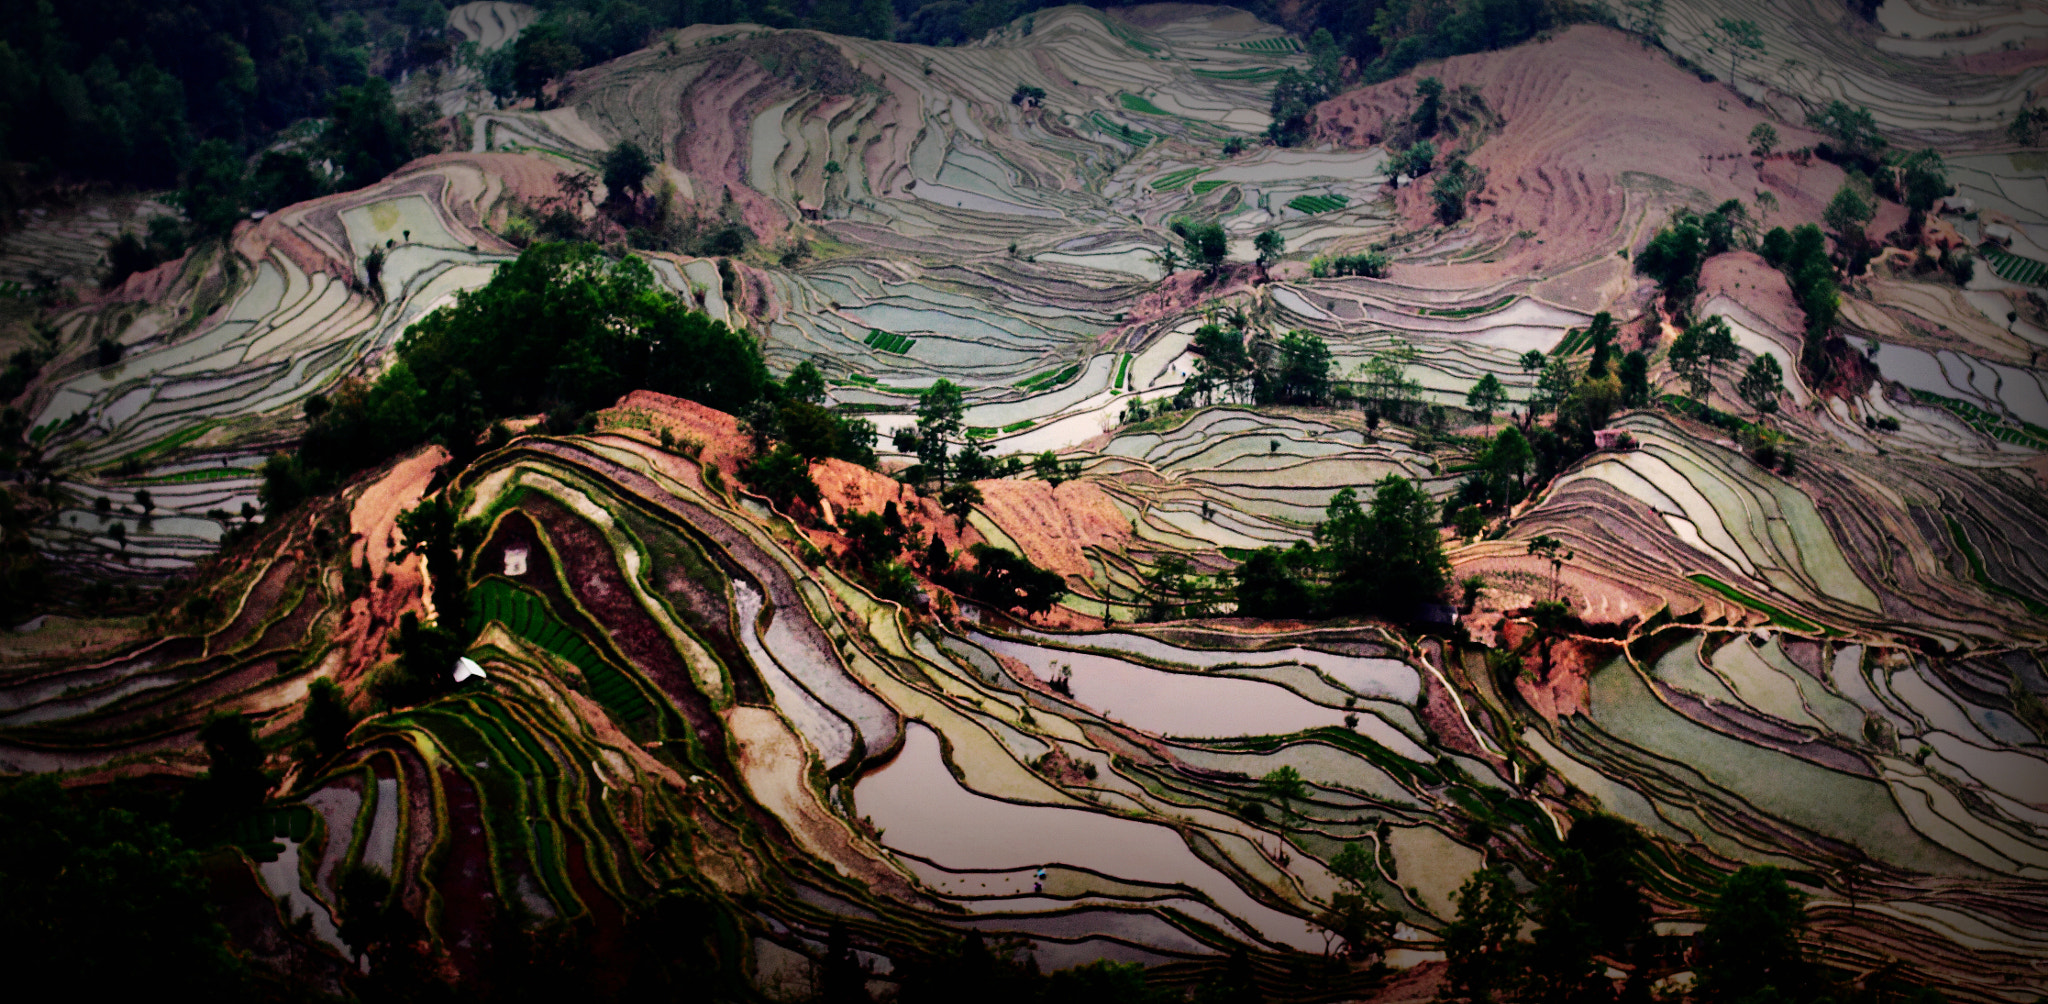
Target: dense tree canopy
(102, 902)
(124, 89)
(562, 329)
(1382, 558)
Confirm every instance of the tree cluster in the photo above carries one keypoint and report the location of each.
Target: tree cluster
(1801, 254)
(126, 90)
(562, 330)
(1371, 264)
(1676, 253)
(1380, 558)
(1295, 368)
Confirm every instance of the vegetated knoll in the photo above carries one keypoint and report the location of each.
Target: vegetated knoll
(1602, 135)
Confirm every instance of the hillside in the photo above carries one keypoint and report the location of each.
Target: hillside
(1799, 626)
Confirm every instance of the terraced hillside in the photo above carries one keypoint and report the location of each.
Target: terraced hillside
(1806, 633)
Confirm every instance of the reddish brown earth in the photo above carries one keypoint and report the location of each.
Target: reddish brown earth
(1752, 282)
(1054, 525)
(1578, 109)
(373, 522)
(1554, 671)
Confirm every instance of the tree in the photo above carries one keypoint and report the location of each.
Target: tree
(1634, 373)
(1384, 389)
(540, 55)
(1742, 37)
(1387, 557)
(426, 663)
(1750, 945)
(1454, 184)
(1295, 95)
(1206, 243)
(1479, 948)
(1027, 96)
(283, 179)
(432, 529)
(108, 904)
(1486, 397)
(1561, 967)
(1269, 244)
(1761, 384)
(1224, 364)
(1853, 130)
(1270, 583)
(1846, 214)
(940, 411)
(235, 783)
(958, 500)
(1429, 92)
(1763, 138)
(1047, 467)
(1923, 179)
(626, 167)
(214, 188)
(327, 722)
(1299, 372)
(1610, 897)
(1510, 455)
(1673, 258)
(784, 476)
(367, 136)
(1416, 160)
(1696, 351)
(805, 384)
(1552, 550)
(1007, 581)
(1168, 260)
(1553, 386)
(1283, 783)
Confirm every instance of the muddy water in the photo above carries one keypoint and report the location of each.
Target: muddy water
(922, 810)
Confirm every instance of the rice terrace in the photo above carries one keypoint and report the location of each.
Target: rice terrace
(1340, 500)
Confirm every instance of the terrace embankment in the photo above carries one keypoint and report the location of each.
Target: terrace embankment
(1596, 129)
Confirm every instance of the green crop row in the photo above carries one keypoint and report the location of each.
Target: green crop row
(528, 617)
(1317, 203)
(1205, 187)
(1778, 617)
(1962, 540)
(1137, 103)
(1257, 74)
(1170, 181)
(1277, 44)
(1996, 426)
(1471, 311)
(189, 477)
(883, 341)
(1050, 378)
(2012, 267)
(1135, 137)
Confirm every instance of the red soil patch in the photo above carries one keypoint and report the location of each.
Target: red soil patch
(373, 528)
(1749, 280)
(1172, 296)
(1053, 525)
(712, 145)
(717, 433)
(1578, 108)
(2002, 63)
(148, 287)
(1554, 671)
(852, 488)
